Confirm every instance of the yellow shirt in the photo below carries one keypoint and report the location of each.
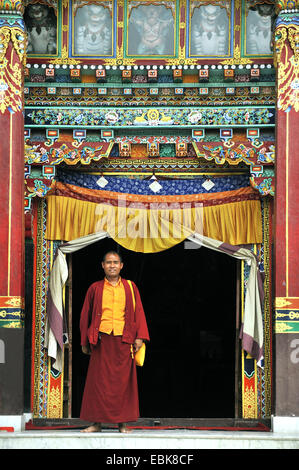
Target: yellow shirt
(113, 308)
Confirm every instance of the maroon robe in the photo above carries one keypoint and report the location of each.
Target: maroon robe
(111, 392)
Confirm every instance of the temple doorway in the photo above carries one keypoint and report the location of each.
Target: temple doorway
(190, 298)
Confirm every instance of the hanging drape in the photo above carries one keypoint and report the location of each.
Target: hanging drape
(55, 321)
(148, 224)
(252, 324)
(152, 223)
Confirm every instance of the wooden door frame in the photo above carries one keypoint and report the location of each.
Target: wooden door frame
(67, 409)
(238, 411)
(68, 352)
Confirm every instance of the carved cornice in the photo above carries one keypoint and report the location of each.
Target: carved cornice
(286, 60)
(12, 6)
(286, 5)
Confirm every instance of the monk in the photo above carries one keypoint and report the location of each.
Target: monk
(112, 331)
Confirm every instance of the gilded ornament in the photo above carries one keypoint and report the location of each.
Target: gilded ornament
(54, 403)
(291, 315)
(16, 35)
(65, 59)
(286, 5)
(13, 324)
(15, 302)
(286, 59)
(4, 41)
(12, 6)
(5, 313)
(10, 85)
(237, 59)
(249, 402)
(281, 302)
(293, 35)
(282, 327)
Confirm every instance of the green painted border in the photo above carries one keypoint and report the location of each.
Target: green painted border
(286, 327)
(162, 108)
(144, 110)
(12, 318)
(146, 85)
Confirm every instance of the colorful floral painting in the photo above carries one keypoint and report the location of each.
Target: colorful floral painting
(144, 117)
(70, 153)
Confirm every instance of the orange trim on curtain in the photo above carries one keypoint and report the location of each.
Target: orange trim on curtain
(96, 195)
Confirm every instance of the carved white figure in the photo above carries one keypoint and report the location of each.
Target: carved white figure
(259, 29)
(154, 25)
(41, 25)
(209, 31)
(93, 30)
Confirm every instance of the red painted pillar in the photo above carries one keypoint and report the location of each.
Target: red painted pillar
(286, 376)
(12, 44)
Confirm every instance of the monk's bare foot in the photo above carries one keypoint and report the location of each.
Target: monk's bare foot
(123, 428)
(97, 427)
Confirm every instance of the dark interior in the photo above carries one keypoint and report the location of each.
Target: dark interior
(189, 296)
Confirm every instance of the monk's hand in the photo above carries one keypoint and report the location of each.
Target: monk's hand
(86, 349)
(137, 344)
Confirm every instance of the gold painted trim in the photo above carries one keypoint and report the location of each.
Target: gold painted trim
(249, 395)
(110, 173)
(9, 205)
(292, 315)
(281, 302)
(282, 327)
(287, 205)
(55, 388)
(267, 311)
(237, 59)
(54, 408)
(4, 313)
(13, 301)
(38, 369)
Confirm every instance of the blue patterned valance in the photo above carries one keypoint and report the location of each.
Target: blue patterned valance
(132, 185)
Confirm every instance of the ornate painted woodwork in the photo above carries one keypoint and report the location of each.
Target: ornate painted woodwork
(179, 89)
(12, 279)
(12, 56)
(286, 228)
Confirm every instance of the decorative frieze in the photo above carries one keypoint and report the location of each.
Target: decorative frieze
(144, 117)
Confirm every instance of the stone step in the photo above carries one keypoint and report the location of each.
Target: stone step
(148, 439)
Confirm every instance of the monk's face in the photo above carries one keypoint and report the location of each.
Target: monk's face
(112, 265)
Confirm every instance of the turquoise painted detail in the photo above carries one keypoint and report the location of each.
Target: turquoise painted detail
(149, 117)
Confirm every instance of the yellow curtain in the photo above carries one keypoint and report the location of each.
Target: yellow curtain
(149, 229)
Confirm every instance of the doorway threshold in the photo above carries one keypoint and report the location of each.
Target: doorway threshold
(204, 424)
